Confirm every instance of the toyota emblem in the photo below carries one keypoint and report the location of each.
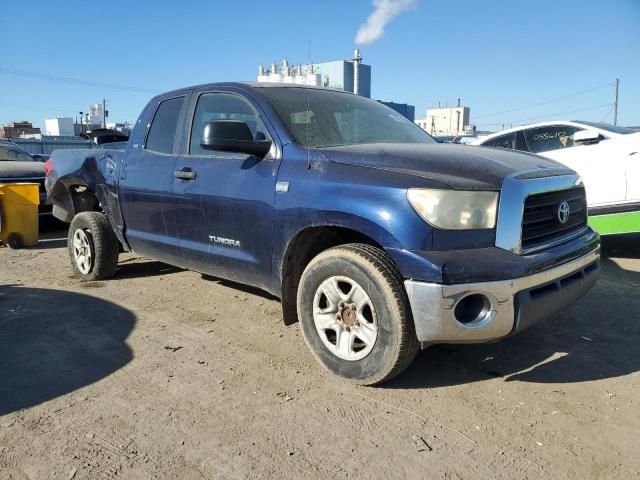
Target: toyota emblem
(563, 213)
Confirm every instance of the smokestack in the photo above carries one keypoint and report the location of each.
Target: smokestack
(357, 59)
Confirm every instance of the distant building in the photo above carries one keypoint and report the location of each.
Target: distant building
(404, 109)
(120, 127)
(22, 129)
(93, 119)
(349, 75)
(95, 115)
(446, 121)
(59, 127)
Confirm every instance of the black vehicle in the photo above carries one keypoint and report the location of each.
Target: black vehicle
(17, 165)
(105, 135)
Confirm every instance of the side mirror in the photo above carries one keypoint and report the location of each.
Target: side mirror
(232, 136)
(586, 136)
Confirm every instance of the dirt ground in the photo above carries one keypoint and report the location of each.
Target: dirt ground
(160, 373)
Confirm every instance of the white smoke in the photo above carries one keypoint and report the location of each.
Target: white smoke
(384, 11)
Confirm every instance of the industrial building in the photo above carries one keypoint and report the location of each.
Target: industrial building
(60, 127)
(22, 129)
(93, 119)
(404, 109)
(95, 116)
(447, 120)
(349, 75)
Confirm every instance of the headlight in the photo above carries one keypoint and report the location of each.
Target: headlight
(454, 209)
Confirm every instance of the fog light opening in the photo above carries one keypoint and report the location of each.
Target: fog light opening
(473, 309)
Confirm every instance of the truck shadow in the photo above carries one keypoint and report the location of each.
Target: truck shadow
(594, 339)
(145, 268)
(622, 246)
(55, 342)
(239, 286)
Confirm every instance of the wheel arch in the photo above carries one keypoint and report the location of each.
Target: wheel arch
(301, 249)
(73, 198)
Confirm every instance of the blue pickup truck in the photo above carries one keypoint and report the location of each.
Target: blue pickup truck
(377, 238)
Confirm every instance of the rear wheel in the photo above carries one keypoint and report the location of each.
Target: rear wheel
(355, 314)
(93, 247)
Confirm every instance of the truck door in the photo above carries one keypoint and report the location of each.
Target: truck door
(146, 184)
(223, 202)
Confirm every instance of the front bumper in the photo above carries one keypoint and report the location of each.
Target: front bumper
(509, 305)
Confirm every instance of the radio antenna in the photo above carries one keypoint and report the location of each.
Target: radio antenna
(309, 71)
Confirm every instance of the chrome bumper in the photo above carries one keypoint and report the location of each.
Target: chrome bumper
(511, 305)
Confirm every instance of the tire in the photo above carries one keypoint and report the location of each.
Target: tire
(91, 233)
(15, 241)
(360, 356)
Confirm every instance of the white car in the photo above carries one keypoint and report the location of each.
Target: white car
(606, 157)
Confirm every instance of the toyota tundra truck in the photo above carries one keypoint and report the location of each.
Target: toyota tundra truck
(379, 240)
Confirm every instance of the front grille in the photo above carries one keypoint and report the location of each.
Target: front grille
(540, 222)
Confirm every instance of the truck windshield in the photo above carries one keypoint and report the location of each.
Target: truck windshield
(8, 153)
(326, 118)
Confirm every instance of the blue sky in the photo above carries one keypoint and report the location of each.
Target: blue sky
(498, 55)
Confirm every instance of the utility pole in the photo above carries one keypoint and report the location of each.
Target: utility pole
(104, 113)
(615, 104)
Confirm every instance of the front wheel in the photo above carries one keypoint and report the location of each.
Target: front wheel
(93, 247)
(355, 314)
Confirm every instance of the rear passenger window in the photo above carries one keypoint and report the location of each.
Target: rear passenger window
(551, 137)
(162, 133)
(503, 141)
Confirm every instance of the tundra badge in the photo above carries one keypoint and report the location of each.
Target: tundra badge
(224, 241)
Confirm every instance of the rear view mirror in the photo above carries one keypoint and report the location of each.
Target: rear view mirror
(232, 136)
(586, 136)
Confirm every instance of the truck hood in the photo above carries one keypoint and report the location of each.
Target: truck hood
(458, 166)
(11, 169)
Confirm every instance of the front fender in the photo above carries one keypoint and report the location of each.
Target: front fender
(369, 202)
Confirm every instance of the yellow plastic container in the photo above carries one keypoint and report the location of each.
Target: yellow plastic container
(19, 214)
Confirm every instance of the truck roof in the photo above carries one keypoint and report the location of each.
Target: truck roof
(248, 86)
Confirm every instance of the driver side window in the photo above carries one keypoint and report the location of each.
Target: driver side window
(224, 106)
(551, 137)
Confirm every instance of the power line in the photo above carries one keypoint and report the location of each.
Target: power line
(545, 102)
(75, 81)
(547, 116)
(613, 105)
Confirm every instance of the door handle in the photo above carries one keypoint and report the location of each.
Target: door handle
(185, 174)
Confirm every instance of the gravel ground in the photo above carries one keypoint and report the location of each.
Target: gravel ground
(160, 373)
